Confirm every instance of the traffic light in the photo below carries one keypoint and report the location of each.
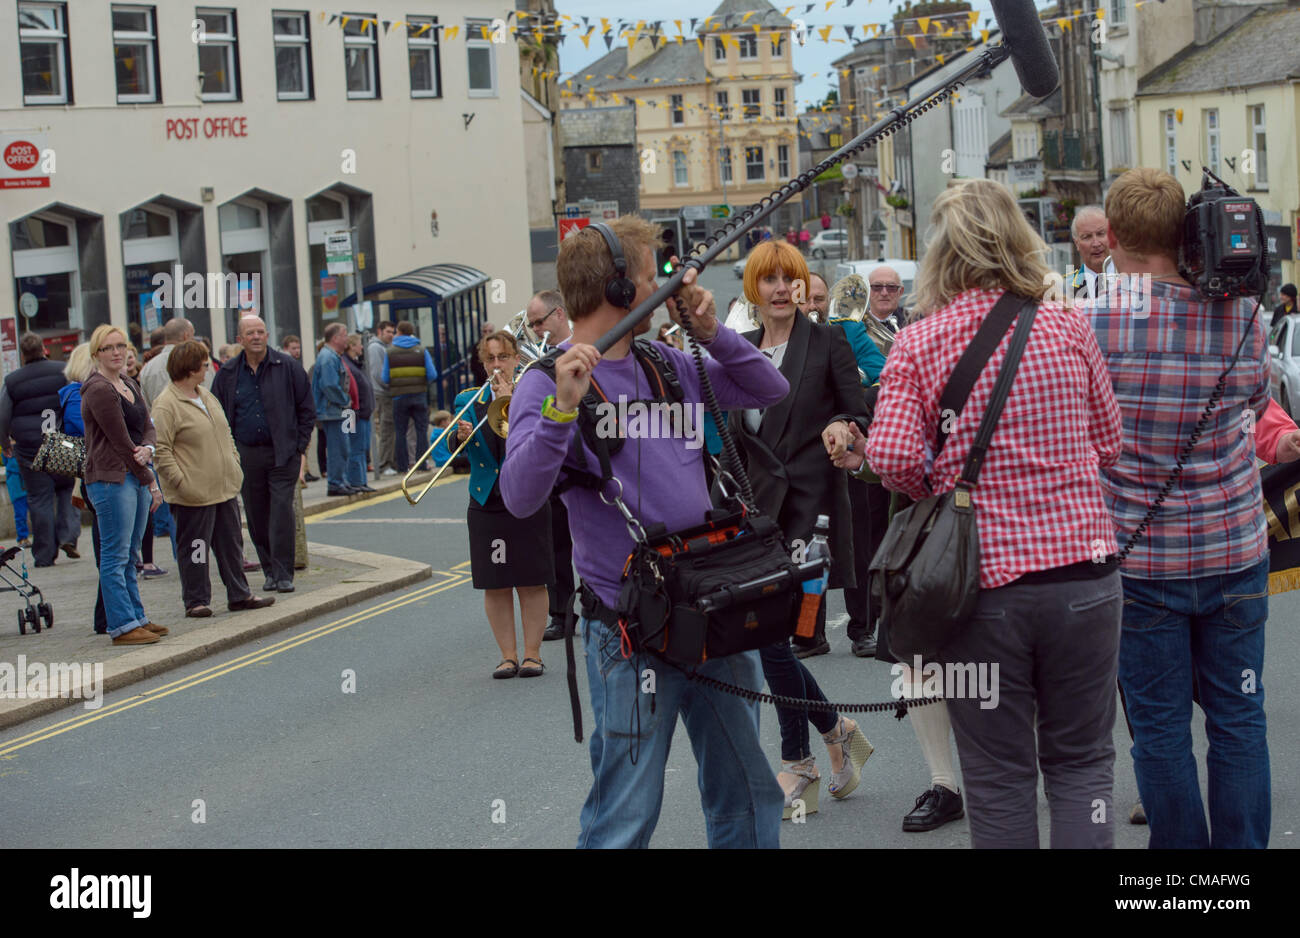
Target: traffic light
(667, 252)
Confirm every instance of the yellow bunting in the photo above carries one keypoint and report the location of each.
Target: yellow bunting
(924, 23)
(984, 35)
(586, 40)
(745, 19)
(912, 40)
(825, 33)
(1061, 23)
(939, 57)
(452, 32)
(346, 20)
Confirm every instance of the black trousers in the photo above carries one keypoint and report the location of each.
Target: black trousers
(49, 505)
(268, 495)
(210, 531)
(870, 508)
(562, 590)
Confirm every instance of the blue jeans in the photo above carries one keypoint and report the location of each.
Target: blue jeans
(738, 791)
(360, 439)
(786, 676)
(1209, 630)
(336, 452)
(123, 511)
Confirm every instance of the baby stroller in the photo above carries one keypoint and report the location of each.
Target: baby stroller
(35, 612)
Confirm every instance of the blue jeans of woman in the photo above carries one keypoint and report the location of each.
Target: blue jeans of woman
(786, 676)
(123, 511)
(357, 453)
(1209, 630)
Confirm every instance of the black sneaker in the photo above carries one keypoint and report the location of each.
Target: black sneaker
(554, 631)
(308, 477)
(865, 647)
(809, 651)
(934, 809)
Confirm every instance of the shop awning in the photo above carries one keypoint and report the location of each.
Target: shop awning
(438, 282)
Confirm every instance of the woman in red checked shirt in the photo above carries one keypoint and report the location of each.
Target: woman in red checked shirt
(1044, 638)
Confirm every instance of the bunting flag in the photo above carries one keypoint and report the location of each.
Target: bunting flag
(1280, 483)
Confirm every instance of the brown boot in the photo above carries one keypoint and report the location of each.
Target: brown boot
(157, 629)
(137, 636)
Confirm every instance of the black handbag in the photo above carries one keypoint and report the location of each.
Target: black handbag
(61, 455)
(927, 570)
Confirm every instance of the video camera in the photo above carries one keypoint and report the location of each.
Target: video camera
(1223, 253)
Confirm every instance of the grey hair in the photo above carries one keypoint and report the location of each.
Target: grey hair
(1078, 213)
(551, 299)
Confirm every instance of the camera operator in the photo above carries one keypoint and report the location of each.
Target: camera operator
(1196, 584)
(662, 481)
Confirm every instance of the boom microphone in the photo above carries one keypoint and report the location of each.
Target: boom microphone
(1026, 39)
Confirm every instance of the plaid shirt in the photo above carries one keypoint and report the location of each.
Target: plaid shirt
(1038, 503)
(1163, 366)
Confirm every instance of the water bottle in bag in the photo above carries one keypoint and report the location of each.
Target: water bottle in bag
(815, 589)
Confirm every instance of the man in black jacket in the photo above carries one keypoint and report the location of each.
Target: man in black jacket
(29, 405)
(267, 400)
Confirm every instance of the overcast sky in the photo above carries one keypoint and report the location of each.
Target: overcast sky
(812, 60)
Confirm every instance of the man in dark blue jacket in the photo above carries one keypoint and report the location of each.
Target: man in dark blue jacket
(29, 405)
(267, 400)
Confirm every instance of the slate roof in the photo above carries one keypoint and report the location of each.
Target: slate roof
(729, 14)
(1028, 106)
(670, 63)
(1262, 49)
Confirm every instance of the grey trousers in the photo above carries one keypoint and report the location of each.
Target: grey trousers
(381, 429)
(1057, 649)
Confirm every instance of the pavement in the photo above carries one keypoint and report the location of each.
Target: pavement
(335, 577)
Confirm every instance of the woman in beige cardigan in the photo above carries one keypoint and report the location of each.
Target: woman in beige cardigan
(198, 467)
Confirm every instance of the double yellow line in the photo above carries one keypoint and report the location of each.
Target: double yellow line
(457, 576)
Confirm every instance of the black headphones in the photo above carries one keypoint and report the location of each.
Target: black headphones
(619, 290)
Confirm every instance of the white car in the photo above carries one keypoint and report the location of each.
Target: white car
(1284, 361)
(829, 243)
(906, 272)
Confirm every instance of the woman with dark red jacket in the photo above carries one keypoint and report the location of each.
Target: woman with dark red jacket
(119, 448)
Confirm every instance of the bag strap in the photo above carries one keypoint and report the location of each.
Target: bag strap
(972, 361)
(1006, 374)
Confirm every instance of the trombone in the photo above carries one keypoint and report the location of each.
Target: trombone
(455, 421)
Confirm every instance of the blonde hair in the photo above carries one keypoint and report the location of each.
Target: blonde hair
(505, 338)
(80, 364)
(767, 258)
(584, 264)
(979, 239)
(100, 334)
(1145, 208)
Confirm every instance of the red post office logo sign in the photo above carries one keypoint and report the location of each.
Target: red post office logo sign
(21, 161)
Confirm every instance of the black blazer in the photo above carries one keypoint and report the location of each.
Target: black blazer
(792, 477)
(286, 400)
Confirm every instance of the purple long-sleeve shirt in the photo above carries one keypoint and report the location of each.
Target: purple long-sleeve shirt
(662, 479)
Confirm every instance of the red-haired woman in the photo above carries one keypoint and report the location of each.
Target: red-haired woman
(786, 447)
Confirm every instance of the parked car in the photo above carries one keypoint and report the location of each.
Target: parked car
(738, 268)
(1284, 359)
(906, 272)
(832, 243)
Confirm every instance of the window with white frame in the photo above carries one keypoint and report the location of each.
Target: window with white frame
(218, 55)
(135, 54)
(724, 163)
(1120, 152)
(423, 53)
(723, 100)
(43, 51)
(290, 32)
(482, 60)
(749, 46)
(1260, 143)
(783, 161)
(677, 108)
(361, 55)
(1171, 144)
(719, 49)
(751, 102)
(1118, 12)
(1212, 139)
(778, 101)
(680, 177)
(754, 164)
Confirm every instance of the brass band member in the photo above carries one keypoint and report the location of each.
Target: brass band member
(507, 554)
